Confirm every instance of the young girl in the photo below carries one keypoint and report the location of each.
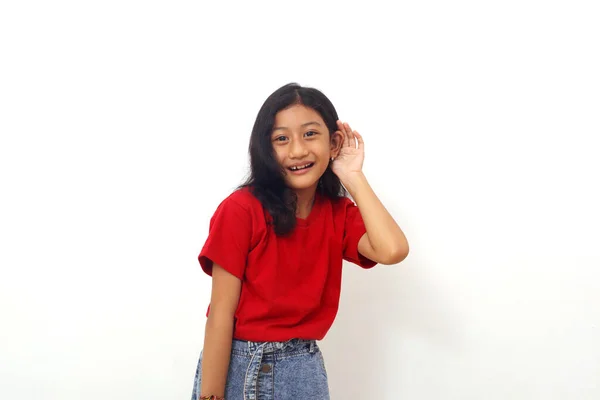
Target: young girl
(275, 249)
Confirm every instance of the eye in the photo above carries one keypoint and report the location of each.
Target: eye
(277, 139)
(314, 133)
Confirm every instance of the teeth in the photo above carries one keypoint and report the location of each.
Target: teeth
(301, 167)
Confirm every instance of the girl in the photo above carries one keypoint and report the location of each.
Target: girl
(275, 248)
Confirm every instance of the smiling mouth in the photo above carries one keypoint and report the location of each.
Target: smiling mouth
(301, 167)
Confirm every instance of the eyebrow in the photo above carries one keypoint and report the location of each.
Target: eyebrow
(303, 125)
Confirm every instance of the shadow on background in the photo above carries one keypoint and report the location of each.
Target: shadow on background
(379, 310)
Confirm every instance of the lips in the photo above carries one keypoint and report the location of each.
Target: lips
(301, 167)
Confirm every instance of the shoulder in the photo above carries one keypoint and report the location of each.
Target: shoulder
(244, 198)
(341, 208)
(241, 203)
(341, 203)
(345, 210)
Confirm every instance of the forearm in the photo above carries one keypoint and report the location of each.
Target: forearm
(385, 236)
(216, 354)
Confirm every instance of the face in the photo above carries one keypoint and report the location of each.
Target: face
(303, 146)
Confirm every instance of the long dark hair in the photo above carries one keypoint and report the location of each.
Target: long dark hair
(266, 180)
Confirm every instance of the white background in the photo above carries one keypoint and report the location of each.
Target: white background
(125, 123)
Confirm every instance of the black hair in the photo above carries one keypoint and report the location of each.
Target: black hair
(266, 180)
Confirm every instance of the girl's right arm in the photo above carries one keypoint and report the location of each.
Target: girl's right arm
(218, 335)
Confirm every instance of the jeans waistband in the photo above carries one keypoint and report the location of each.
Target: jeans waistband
(292, 345)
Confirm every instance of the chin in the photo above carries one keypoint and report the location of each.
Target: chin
(301, 183)
(301, 186)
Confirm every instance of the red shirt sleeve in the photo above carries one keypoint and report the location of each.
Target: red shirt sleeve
(228, 241)
(354, 229)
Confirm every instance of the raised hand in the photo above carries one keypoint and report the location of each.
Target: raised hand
(352, 154)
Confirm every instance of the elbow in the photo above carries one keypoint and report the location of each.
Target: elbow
(397, 255)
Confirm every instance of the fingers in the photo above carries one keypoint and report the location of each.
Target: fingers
(342, 129)
(349, 140)
(361, 143)
(350, 137)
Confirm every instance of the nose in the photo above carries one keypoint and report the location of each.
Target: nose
(297, 149)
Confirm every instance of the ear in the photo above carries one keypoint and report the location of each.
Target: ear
(337, 140)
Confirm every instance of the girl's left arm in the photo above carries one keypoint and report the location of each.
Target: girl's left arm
(384, 242)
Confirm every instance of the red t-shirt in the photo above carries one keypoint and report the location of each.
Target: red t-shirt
(290, 285)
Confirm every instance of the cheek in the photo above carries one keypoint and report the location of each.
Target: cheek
(278, 154)
(324, 152)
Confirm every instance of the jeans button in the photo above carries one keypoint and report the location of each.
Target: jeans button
(265, 368)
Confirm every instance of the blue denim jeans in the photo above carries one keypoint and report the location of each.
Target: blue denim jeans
(289, 370)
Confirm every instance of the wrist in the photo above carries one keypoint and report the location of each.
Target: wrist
(353, 181)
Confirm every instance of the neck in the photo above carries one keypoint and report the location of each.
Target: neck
(306, 198)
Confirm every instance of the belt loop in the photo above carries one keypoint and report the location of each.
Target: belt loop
(250, 389)
(312, 346)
